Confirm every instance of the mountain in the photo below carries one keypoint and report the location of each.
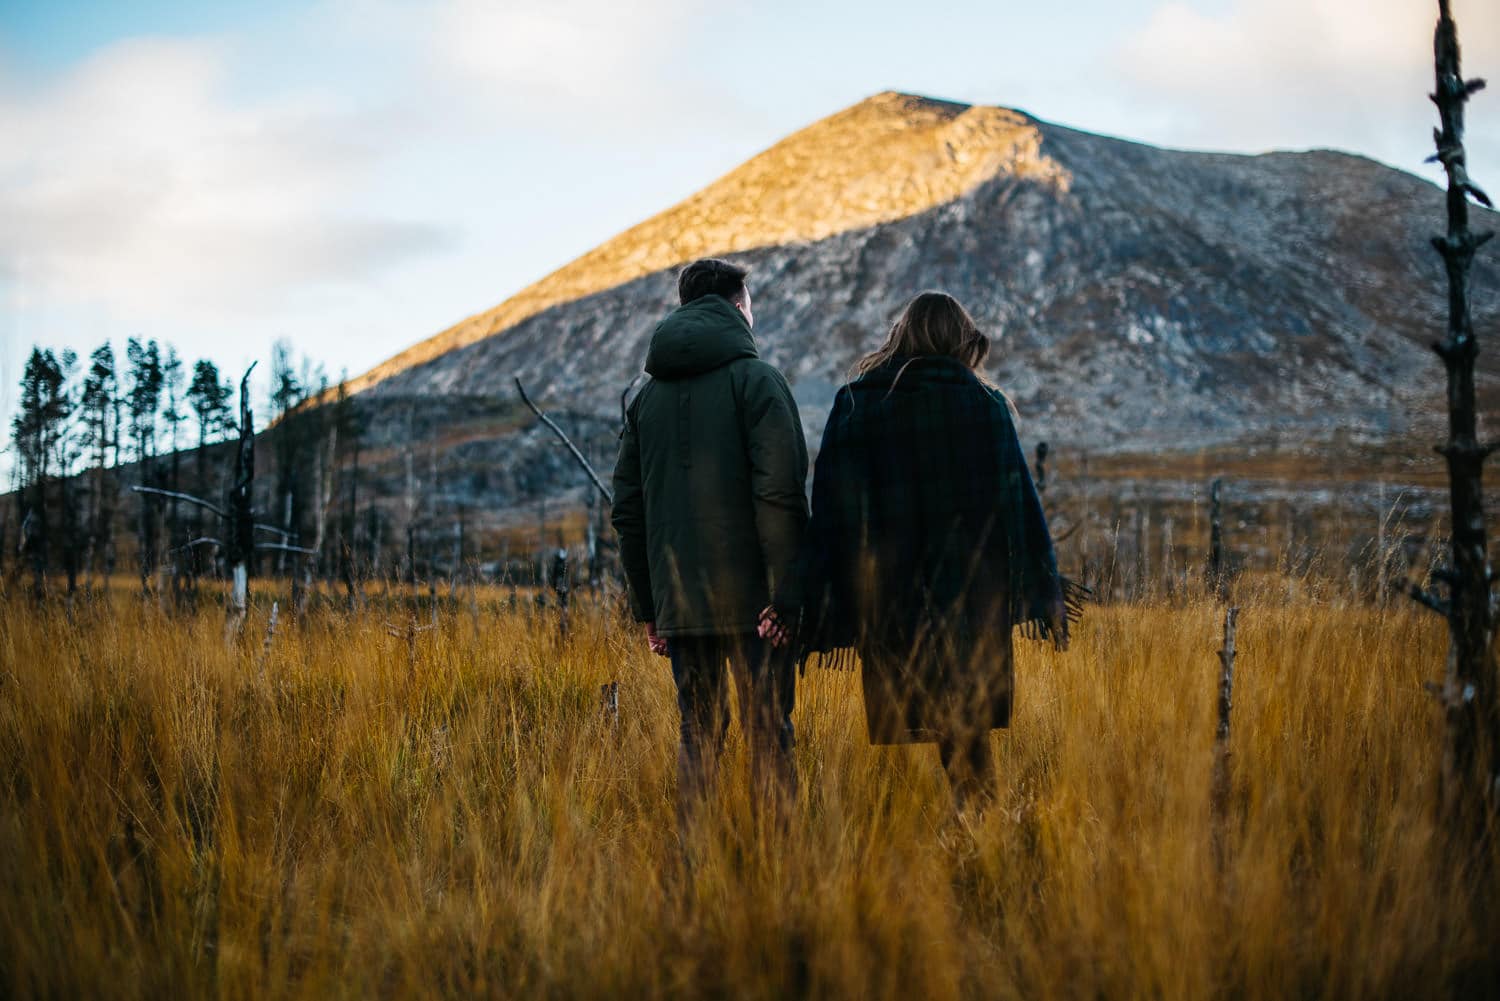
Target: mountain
(1143, 298)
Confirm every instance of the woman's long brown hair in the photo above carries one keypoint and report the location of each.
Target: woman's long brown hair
(932, 324)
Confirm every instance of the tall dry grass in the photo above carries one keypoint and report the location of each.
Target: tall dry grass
(173, 823)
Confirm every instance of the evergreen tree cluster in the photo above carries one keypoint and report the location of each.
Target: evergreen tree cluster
(85, 434)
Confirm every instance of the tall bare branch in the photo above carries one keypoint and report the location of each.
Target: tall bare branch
(593, 476)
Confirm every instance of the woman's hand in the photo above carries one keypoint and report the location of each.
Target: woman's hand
(1057, 623)
(772, 628)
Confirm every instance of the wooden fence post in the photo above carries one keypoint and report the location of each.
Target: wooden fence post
(1220, 790)
(1217, 584)
(560, 587)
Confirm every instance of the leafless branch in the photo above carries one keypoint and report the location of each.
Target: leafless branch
(181, 496)
(593, 476)
(279, 547)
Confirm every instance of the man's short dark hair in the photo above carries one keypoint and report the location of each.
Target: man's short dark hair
(711, 276)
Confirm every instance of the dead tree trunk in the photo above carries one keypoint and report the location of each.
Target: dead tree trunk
(145, 536)
(411, 502)
(1470, 693)
(241, 527)
(1168, 564)
(457, 561)
(561, 587)
(33, 542)
(353, 569)
(1220, 790)
(1089, 579)
(1041, 467)
(323, 489)
(1216, 574)
(1142, 552)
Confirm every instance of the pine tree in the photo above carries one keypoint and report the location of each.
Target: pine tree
(209, 399)
(100, 405)
(37, 431)
(286, 393)
(172, 417)
(143, 400)
(68, 448)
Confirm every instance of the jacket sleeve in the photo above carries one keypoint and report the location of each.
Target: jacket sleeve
(629, 519)
(807, 582)
(777, 451)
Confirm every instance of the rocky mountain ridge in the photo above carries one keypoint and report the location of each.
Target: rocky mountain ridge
(1144, 299)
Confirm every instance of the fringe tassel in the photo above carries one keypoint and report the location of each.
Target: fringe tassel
(1075, 596)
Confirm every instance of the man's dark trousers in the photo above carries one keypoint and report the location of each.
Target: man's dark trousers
(764, 681)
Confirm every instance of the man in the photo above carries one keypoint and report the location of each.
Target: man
(710, 505)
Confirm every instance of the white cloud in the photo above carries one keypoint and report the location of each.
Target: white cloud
(570, 48)
(137, 179)
(1291, 73)
(619, 69)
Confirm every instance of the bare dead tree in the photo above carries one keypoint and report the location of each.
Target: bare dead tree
(1142, 551)
(560, 587)
(1470, 694)
(1217, 578)
(323, 488)
(1220, 789)
(1041, 467)
(408, 455)
(609, 498)
(1083, 522)
(1168, 564)
(237, 517)
(241, 519)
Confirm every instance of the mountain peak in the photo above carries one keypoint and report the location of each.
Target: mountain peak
(890, 156)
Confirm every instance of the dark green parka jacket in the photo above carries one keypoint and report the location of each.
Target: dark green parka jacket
(710, 484)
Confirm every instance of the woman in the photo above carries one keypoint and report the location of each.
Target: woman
(927, 544)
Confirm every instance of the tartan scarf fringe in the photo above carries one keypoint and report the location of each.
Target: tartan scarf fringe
(846, 658)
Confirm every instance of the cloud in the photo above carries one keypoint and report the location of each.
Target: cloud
(138, 179)
(1289, 73)
(589, 49)
(623, 70)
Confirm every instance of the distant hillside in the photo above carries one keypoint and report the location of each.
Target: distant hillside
(1143, 296)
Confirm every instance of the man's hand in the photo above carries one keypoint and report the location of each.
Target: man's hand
(771, 627)
(658, 644)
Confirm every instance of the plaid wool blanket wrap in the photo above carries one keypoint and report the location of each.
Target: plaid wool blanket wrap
(924, 517)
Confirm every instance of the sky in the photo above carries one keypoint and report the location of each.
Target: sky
(356, 175)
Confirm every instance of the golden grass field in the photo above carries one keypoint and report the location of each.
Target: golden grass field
(182, 820)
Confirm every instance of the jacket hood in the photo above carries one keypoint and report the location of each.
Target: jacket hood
(706, 334)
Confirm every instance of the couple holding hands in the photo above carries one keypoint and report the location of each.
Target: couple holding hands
(925, 546)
